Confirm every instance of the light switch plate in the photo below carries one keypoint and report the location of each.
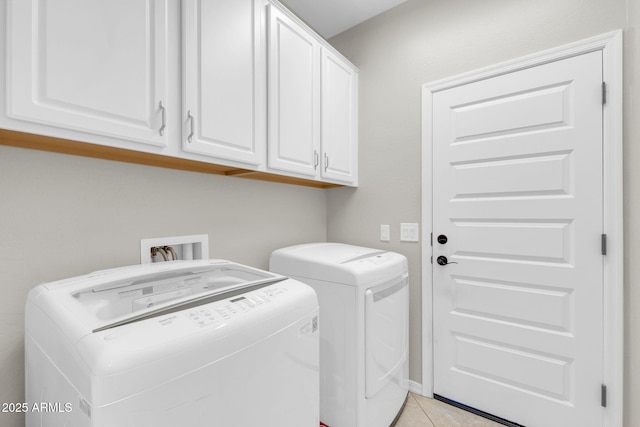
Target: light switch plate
(409, 232)
(385, 232)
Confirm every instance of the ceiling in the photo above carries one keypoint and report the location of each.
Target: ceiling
(331, 17)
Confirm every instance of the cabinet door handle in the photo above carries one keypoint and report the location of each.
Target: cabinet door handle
(315, 159)
(163, 110)
(191, 129)
(326, 162)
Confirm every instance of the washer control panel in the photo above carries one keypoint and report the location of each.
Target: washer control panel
(221, 311)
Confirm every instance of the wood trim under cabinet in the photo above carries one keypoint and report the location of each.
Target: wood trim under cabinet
(65, 146)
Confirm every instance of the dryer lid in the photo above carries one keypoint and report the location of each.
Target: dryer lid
(338, 263)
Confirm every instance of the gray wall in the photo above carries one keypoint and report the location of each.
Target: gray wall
(425, 40)
(62, 216)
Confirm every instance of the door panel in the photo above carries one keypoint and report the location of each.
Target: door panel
(386, 333)
(495, 116)
(483, 178)
(88, 65)
(224, 95)
(339, 119)
(294, 93)
(517, 166)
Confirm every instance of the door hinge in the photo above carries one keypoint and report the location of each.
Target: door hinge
(604, 93)
(603, 244)
(431, 259)
(603, 396)
(432, 239)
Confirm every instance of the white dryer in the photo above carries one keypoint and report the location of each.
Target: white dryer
(185, 343)
(364, 307)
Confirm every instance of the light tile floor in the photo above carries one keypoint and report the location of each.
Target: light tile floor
(424, 412)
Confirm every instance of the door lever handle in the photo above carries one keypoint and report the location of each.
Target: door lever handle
(442, 260)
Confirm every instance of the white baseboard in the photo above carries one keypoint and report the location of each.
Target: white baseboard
(415, 387)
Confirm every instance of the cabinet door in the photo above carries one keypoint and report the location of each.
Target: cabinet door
(223, 79)
(339, 119)
(89, 65)
(294, 96)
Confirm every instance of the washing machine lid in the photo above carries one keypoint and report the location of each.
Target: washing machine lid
(338, 263)
(111, 298)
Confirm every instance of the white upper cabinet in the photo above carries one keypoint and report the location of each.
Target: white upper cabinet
(294, 95)
(339, 132)
(224, 88)
(313, 113)
(239, 83)
(90, 65)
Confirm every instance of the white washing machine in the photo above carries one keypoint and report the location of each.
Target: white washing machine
(364, 307)
(183, 343)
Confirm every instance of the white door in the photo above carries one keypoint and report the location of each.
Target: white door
(294, 96)
(517, 191)
(90, 65)
(339, 119)
(224, 95)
